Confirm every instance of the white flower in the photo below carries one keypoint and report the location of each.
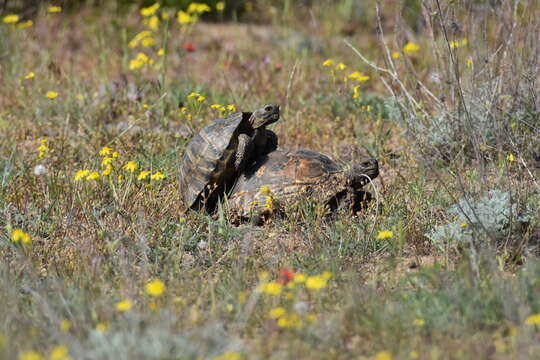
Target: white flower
(40, 170)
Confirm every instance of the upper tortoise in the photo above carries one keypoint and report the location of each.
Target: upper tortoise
(218, 154)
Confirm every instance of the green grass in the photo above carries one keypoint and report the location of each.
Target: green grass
(446, 124)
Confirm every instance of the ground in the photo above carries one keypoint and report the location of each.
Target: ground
(99, 258)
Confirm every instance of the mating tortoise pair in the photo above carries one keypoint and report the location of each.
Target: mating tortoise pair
(237, 157)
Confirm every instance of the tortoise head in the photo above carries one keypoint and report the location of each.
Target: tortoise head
(266, 115)
(361, 172)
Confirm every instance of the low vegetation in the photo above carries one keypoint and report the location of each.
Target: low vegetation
(99, 259)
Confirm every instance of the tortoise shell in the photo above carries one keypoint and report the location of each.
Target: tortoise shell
(291, 175)
(207, 165)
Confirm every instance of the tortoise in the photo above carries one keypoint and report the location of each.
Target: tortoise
(218, 154)
(284, 177)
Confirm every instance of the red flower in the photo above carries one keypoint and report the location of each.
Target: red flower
(285, 275)
(189, 47)
(278, 67)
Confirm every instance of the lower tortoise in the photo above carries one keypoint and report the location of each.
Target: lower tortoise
(218, 154)
(281, 178)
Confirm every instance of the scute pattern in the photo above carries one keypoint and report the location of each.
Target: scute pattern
(206, 157)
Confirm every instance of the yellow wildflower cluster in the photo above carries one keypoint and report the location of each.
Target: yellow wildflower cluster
(13, 19)
(272, 288)
(147, 38)
(454, 44)
(223, 108)
(43, 148)
(194, 10)
(18, 235)
(198, 97)
(141, 60)
(355, 76)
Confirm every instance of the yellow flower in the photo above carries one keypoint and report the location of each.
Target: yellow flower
(396, 55)
(94, 175)
(140, 60)
(341, 66)
(161, 52)
(30, 355)
(316, 282)
(231, 107)
(454, 44)
(19, 235)
(51, 94)
(60, 352)
(65, 325)
(419, 322)
(157, 176)
(470, 62)
(81, 174)
(124, 305)
(139, 37)
(148, 42)
(358, 76)
(383, 355)
(356, 92)
(107, 171)
(269, 202)
(385, 234)
(327, 275)
(411, 48)
(10, 19)
(165, 16)
(278, 312)
(155, 288)
(328, 62)
(463, 225)
(290, 321)
(25, 24)
(54, 9)
(198, 8)
(106, 161)
(533, 319)
(150, 10)
(299, 278)
(30, 75)
(115, 155)
(271, 288)
(265, 190)
(193, 95)
(102, 327)
(184, 18)
(220, 6)
(511, 158)
(105, 151)
(229, 355)
(201, 98)
(131, 166)
(143, 175)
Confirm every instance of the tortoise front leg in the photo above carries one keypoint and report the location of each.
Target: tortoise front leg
(243, 152)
